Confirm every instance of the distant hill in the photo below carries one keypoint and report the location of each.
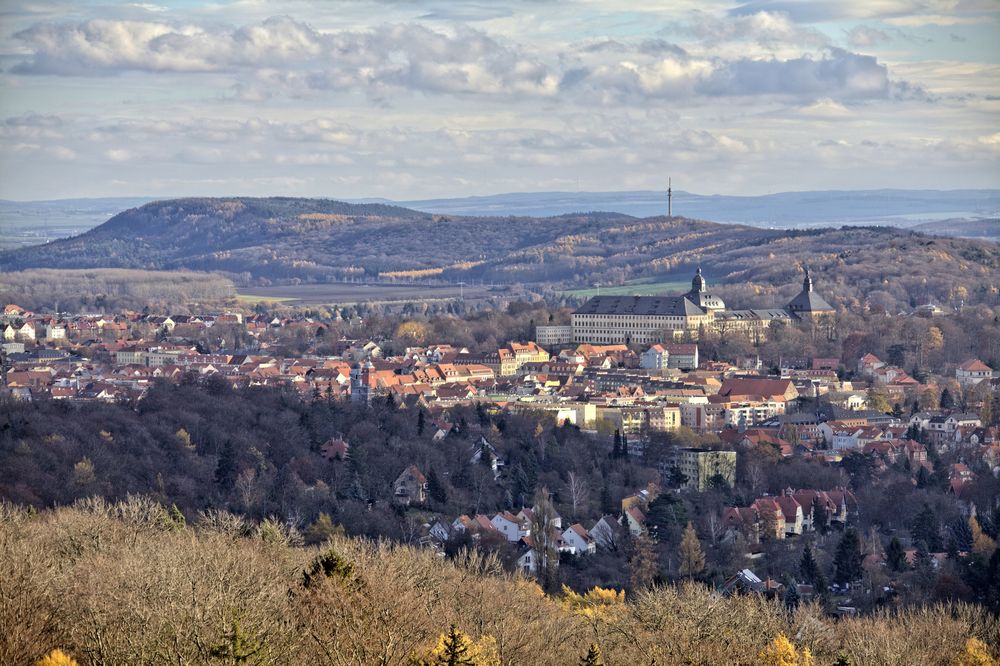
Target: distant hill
(282, 239)
(962, 228)
(785, 209)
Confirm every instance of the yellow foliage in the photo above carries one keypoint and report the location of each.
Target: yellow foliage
(56, 658)
(597, 602)
(982, 544)
(975, 654)
(483, 652)
(781, 652)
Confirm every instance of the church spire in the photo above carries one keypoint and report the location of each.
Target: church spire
(698, 283)
(807, 283)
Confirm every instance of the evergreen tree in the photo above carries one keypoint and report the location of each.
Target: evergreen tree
(320, 530)
(593, 656)
(421, 422)
(664, 514)
(895, 556)
(624, 452)
(453, 650)
(690, 555)
(960, 537)
(848, 558)
(226, 470)
(926, 528)
(791, 597)
(810, 571)
(821, 517)
(616, 449)
(946, 400)
(435, 489)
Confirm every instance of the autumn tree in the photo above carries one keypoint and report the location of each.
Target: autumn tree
(593, 656)
(643, 563)
(691, 556)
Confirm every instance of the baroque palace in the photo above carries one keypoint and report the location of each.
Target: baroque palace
(652, 319)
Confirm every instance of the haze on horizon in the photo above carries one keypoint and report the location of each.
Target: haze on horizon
(434, 98)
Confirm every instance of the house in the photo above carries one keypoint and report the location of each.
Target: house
(607, 533)
(335, 448)
(972, 372)
(635, 520)
(440, 531)
(792, 512)
(494, 460)
(510, 526)
(410, 487)
(578, 540)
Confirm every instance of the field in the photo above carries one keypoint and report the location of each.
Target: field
(642, 287)
(342, 293)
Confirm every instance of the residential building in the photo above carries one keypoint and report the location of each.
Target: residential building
(701, 465)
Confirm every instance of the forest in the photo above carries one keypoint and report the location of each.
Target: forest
(260, 241)
(110, 290)
(134, 582)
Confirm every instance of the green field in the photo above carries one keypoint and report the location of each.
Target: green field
(640, 287)
(251, 299)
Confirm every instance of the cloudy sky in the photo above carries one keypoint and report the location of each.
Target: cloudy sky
(439, 98)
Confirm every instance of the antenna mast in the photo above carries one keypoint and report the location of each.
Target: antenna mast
(670, 200)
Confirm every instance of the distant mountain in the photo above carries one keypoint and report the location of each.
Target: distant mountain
(985, 228)
(282, 239)
(783, 210)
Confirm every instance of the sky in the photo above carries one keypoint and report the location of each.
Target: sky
(411, 99)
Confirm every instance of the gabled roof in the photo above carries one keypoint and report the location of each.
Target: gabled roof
(975, 365)
(667, 306)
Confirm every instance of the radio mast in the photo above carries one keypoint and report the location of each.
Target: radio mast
(670, 200)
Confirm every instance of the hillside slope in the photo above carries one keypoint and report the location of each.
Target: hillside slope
(323, 240)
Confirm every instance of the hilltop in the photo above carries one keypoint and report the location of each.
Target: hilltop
(134, 583)
(316, 240)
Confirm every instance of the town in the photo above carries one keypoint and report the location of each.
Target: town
(772, 478)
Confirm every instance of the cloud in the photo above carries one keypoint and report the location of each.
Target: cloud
(861, 36)
(282, 49)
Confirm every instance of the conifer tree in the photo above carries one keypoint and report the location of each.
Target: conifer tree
(810, 571)
(643, 564)
(692, 558)
(421, 422)
(593, 656)
(624, 452)
(821, 517)
(435, 489)
(895, 556)
(616, 449)
(848, 558)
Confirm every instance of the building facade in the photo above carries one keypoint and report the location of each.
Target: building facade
(657, 319)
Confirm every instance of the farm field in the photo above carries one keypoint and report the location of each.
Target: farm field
(341, 293)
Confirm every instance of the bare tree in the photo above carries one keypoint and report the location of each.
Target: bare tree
(578, 492)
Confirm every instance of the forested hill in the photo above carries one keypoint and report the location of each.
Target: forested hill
(323, 240)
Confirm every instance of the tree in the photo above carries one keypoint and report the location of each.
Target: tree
(975, 653)
(435, 489)
(926, 528)
(982, 544)
(321, 529)
(421, 422)
(810, 571)
(593, 656)
(624, 453)
(665, 513)
(877, 401)
(576, 487)
(791, 597)
(691, 556)
(56, 658)
(543, 523)
(453, 649)
(947, 401)
(821, 517)
(781, 652)
(643, 564)
(616, 449)
(895, 556)
(848, 558)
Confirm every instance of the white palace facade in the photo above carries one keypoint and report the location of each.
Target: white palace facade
(650, 319)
